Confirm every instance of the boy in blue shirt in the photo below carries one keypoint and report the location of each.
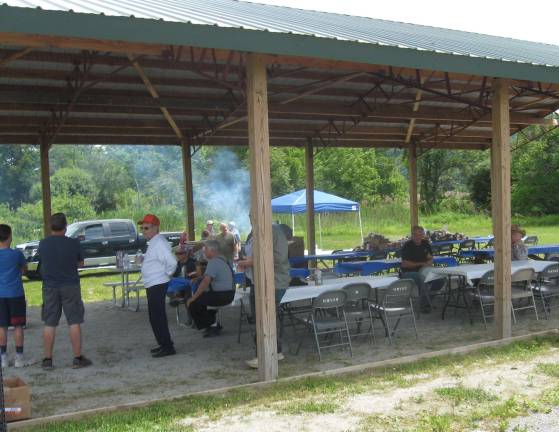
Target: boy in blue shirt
(12, 297)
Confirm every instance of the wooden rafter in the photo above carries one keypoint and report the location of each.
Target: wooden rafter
(153, 92)
(14, 56)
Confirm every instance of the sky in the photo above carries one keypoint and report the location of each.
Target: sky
(528, 20)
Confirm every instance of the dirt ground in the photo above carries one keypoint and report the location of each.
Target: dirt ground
(118, 343)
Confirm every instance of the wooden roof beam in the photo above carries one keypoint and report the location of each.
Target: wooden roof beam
(14, 56)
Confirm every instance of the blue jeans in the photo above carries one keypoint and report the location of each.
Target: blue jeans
(422, 287)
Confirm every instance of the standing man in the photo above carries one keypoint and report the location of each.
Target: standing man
(417, 254)
(158, 267)
(281, 278)
(210, 227)
(226, 242)
(59, 259)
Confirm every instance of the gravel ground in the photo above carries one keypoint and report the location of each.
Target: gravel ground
(536, 423)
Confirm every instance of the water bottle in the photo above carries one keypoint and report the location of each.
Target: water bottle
(139, 258)
(317, 277)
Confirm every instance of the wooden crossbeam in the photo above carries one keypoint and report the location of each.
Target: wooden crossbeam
(14, 56)
(153, 92)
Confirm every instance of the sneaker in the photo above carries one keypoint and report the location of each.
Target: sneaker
(253, 363)
(5, 362)
(81, 362)
(46, 364)
(164, 352)
(20, 361)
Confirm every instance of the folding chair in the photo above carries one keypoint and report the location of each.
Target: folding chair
(547, 287)
(464, 250)
(357, 309)
(396, 303)
(446, 249)
(327, 318)
(531, 240)
(484, 293)
(522, 289)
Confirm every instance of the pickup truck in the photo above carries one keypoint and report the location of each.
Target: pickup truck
(99, 240)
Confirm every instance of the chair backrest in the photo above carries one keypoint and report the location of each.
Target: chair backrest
(550, 272)
(523, 275)
(398, 293)
(531, 240)
(488, 279)
(490, 243)
(436, 249)
(356, 291)
(467, 245)
(330, 300)
(445, 249)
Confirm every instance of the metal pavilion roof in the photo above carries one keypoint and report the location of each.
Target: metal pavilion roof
(396, 43)
(333, 79)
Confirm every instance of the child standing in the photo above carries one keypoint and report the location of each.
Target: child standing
(12, 297)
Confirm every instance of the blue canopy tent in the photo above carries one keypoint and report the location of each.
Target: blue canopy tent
(296, 202)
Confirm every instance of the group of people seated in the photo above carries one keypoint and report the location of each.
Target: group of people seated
(417, 256)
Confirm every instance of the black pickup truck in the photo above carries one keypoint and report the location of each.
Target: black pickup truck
(99, 239)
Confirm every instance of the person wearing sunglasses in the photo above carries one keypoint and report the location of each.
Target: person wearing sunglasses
(158, 267)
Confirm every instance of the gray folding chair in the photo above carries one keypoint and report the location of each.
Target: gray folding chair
(328, 319)
(396, 303)
(357, 310)
(484, 293)
(446, 250)
(466, 246)
(548, 287)
(531, 240)
(522, 289)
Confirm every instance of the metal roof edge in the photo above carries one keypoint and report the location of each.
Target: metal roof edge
(140, 30)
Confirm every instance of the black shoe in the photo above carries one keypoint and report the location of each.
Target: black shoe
(213, 331)
(81, 362)
(156, 349)
(46, 364)
(164, 352)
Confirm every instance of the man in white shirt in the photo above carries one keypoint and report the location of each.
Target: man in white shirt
(158, 267)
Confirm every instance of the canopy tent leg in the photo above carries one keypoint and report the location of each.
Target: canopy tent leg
(320, 230)
(501, 204)
(293, 222)
(360, 224)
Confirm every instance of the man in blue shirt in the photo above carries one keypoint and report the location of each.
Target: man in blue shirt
(12, 297)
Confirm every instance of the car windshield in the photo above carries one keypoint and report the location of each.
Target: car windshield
(72, 230)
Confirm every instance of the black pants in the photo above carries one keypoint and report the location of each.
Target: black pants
(158, 314)
(202, 317)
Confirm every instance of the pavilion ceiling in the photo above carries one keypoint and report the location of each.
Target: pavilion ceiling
(71, 96)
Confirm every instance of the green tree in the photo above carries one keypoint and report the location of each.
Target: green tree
(18, 172)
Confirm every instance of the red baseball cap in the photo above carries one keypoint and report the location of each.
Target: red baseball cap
(150, 219)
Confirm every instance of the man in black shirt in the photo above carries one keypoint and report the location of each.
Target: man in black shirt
(60, 258)
(417, 254)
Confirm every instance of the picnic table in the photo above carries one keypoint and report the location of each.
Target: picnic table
(370, 267)
(489, 253)
(309, 292)
(127, 286)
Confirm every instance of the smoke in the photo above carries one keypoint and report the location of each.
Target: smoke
(224, 193)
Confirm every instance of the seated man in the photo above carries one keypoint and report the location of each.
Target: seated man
(417, 254)
(215, 289)
(519, 250)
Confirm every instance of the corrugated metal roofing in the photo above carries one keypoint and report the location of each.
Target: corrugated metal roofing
(277, 19)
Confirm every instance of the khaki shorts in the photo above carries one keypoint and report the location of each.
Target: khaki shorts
(67, 299)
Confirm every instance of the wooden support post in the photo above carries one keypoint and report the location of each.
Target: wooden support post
(500, 205)
(412, 170)
(309, 167)
(45, 188)
(188, 192)
(261, 207)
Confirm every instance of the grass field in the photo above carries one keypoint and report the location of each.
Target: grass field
(91, 283)
(433, 395)
(341, 230)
